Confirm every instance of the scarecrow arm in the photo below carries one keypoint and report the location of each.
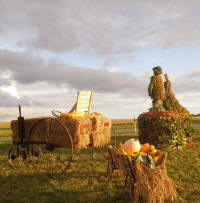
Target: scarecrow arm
(150, 89)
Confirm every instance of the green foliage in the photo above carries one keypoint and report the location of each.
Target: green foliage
(164, 128)
(150, 88)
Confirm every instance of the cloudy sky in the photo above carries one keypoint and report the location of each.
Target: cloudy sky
(51, 49)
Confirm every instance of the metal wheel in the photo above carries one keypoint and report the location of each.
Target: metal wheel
(17, 155)
(50, 146)
(129, 186)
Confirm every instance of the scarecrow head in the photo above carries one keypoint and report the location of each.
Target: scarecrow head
(157, 70)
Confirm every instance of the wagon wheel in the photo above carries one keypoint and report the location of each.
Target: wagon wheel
(54, 140)
(14, 156)
(17, 155)
(129, 186)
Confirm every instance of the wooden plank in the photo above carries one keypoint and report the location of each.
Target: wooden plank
(84, 99)
(87, 97)
(83, 110)
(84, 93)
(90, 105)
(80, 106)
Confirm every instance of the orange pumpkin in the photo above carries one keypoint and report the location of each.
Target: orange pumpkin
(145, 147)
(151, 148)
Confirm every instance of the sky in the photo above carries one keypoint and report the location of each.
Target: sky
(49, 50)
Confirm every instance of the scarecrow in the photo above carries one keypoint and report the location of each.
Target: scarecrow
(156, 90)
(171, 103)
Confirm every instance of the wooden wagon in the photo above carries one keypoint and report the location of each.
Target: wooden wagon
(49, 143)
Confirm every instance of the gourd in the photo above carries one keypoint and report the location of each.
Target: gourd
(73, 114)
(131, 146)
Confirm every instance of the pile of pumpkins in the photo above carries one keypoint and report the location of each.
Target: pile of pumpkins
(132, 147)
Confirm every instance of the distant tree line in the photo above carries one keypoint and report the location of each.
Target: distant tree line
(195, 115)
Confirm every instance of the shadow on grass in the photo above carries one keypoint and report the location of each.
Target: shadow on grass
(73, 186)
(5, 146)
(81, 183)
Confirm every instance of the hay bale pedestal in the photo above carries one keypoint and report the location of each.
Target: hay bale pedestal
(163, 129)
(86, 131)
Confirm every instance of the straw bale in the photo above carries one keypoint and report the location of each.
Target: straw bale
(154, 185)
(38, 136)
(100, 130)
(79, 130)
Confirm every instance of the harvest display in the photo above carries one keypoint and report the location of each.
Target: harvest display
(167, 124)
(49, 142)
(144, 169)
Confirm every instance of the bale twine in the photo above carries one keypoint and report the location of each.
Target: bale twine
(100, 130)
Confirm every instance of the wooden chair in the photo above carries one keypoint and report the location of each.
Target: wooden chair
(83, 103)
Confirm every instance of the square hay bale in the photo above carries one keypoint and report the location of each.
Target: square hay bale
(100, 130)
(79, 130)
(78, 127)
(38, 136)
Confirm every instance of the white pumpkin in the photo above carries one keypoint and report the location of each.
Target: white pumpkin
(131, 146)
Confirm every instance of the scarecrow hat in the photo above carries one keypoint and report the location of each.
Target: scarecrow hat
(157, 68)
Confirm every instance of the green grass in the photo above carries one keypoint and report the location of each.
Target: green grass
(5, 132)
(83, 183)
(196, 120)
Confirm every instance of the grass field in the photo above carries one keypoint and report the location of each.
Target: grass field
(83, 183)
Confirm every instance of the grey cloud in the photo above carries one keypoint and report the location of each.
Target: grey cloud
(26, 69)
(7, 100)
(189, 83)
(100, 27)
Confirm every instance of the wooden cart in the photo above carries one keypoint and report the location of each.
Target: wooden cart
(141, 182)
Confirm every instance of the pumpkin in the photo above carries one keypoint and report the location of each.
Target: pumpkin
(145, 147)
(151, 148)
(153, 153)
(131, 146)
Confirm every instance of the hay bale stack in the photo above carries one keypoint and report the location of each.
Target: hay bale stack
(85, 131)
(78, 128)
(38, 136)
(100, 130)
